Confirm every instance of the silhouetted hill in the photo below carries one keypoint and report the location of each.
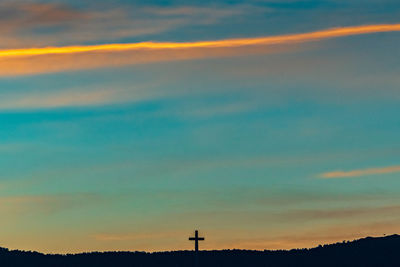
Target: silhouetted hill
(381, 251)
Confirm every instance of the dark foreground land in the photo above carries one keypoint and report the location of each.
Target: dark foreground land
(382, 251)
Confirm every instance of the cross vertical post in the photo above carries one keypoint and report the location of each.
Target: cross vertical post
(196, 240)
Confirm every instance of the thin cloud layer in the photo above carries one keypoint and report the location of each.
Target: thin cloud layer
(358, 173)
(68, 58)
(38, 24)
(52, 100)
(280, 39)
(43, 204)
(20, 23)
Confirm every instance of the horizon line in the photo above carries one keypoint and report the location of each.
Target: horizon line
(205, 250)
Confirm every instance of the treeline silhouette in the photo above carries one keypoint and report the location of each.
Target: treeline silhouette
(380, 251)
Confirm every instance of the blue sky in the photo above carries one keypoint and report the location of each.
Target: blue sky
(133, 150)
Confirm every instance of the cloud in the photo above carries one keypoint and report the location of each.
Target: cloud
(272, 40)
(358, 173)
(38, 24)
(316, 235)
(82, 96)
(54, 59)
(137, 236)
(60, 99)
(20, 15)
(44, 204)
(20, 22)
(329, 214)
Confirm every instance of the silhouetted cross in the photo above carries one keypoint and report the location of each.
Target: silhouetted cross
(196, 240)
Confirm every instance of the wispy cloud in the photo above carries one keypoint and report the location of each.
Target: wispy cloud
(54, 59)
(316, 235)
(279, 39)
(361, 172)
(20, 20)
(83, 96)
(136, 236)
(37, 23)
(44, 204)
(60, 99)
(330, 214)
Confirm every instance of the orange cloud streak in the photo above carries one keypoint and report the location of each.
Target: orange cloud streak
(30, 61)
(357, 173)
(290, 38)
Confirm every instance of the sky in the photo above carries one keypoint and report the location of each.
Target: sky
(264, 124)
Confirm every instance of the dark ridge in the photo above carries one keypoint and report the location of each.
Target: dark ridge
(370, 251)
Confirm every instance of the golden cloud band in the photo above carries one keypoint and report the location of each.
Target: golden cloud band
(272, 40)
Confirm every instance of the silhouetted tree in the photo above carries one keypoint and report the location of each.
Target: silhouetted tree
(364, 252)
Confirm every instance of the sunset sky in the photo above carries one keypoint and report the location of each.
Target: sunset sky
(265, 124)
